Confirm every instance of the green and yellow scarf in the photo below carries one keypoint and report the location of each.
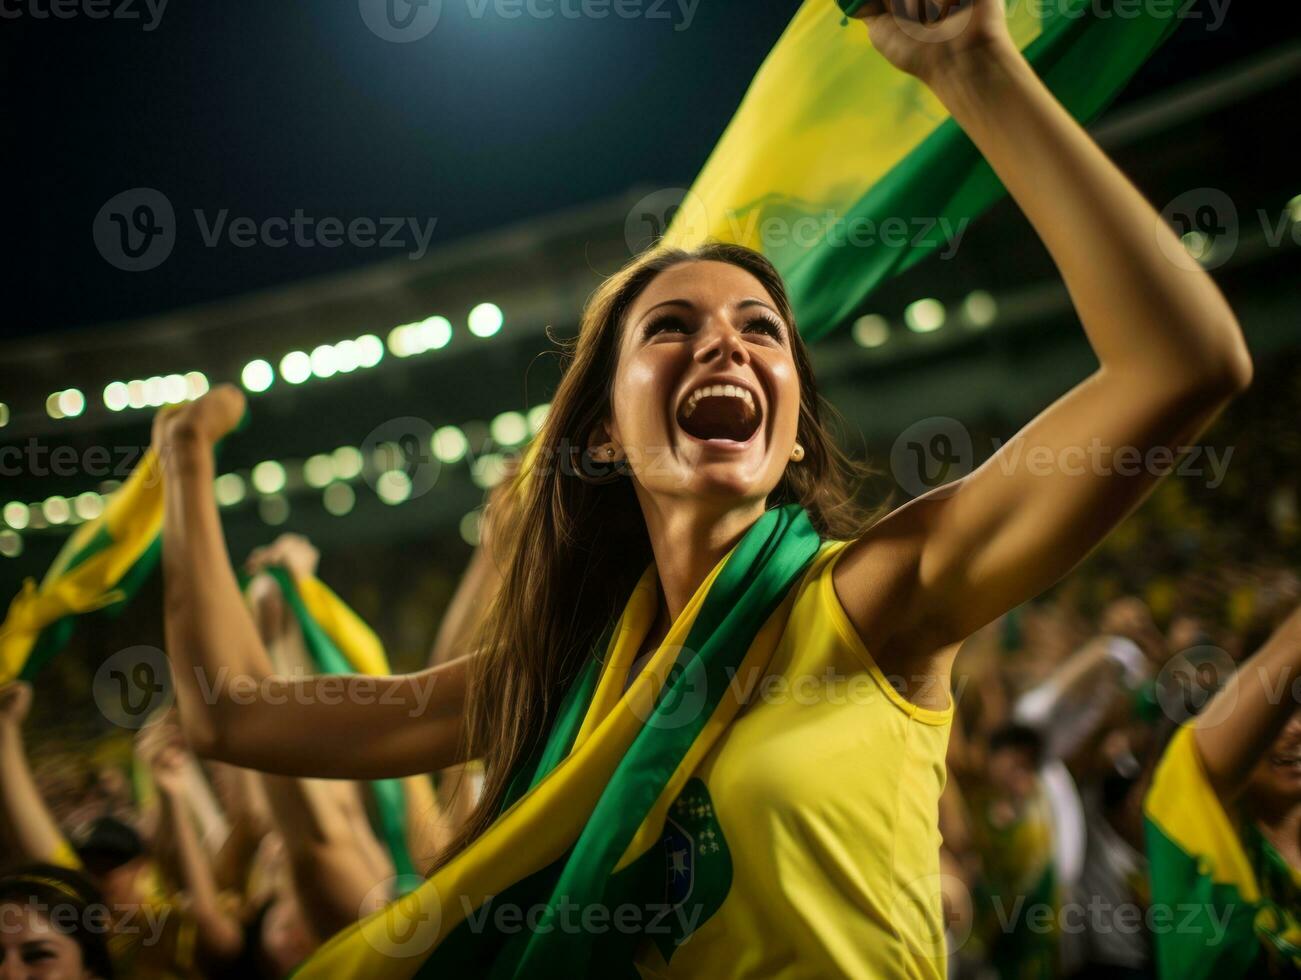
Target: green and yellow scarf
(567, 881)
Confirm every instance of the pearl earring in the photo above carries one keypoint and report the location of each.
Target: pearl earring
(797, 453)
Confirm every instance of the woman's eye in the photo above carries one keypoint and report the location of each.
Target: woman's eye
(765, 325)
(669, 323)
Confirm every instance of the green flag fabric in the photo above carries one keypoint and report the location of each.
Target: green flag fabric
(844, 171)
(344, 645)
(1225, 905)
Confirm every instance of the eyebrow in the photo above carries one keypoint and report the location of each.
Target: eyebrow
(742, 305)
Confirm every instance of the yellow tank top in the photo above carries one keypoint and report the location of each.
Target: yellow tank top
(809, 834)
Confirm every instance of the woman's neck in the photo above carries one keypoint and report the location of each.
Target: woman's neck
(687, 540)
(1281, 826)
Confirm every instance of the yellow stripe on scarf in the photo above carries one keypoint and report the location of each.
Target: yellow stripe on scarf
(541, 826)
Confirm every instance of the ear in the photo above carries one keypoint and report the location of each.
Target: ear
(604, 435)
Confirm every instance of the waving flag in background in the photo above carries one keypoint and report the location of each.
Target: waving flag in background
(101, 566)
(340, 642)
(835, 157)
(104, 563)
(1236, 895)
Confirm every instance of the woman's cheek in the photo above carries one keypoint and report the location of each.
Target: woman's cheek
(640, 407)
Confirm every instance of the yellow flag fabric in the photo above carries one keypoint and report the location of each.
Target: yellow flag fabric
(101, 564)
(355, 640)
(825, 118)
(844, 171)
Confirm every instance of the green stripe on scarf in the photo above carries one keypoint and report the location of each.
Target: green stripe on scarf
(629, 778)
(389, 796)
(830, 137)
(735, 609)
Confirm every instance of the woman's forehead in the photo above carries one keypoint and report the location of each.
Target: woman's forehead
(706, 283)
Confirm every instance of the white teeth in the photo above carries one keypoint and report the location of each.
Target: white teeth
(721, 391)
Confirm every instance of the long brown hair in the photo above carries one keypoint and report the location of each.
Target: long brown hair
(571, 550)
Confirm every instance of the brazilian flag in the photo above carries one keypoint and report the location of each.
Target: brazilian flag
(583, 816)
(100, 567)
(844, 171)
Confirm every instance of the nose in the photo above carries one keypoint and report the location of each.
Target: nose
(721, 342)
(10, 968)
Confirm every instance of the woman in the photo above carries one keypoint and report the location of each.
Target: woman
(53, 926)
(823, 805)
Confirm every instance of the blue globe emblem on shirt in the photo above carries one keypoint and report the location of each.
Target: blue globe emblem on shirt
(697, 864)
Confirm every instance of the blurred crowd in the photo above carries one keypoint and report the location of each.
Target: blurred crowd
(169, 866)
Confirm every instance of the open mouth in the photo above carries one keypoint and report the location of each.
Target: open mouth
(724, 412)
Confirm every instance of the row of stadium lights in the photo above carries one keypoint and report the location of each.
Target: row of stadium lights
(405, 340)
(331, 473)
(978, 311)
(295, 368)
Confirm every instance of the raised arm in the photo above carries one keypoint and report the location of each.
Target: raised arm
(1170, 352)
(1245, 718)
(220, 937)
(30, 828)
(233, 706)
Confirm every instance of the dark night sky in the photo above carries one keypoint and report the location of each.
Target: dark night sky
(264, 108)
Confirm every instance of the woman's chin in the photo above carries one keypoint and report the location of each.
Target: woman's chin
(726, 478)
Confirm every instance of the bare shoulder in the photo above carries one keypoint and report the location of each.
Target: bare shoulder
(877, 580)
